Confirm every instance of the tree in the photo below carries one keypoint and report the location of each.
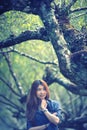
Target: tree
(69, 44)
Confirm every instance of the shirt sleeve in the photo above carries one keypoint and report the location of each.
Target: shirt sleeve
(58, 110)
(29, 125)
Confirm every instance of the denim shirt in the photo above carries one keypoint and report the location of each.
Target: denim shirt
(41, 119)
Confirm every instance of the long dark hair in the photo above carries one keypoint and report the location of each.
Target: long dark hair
(32, 100)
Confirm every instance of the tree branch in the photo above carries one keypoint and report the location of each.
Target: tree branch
(71, 104)
(13, 106)
(4, 122)
(6, 103)
(16, 114)
(50, 78)
(72, 2)
(79, 9)
(73, 123)
(12, 73)
(79, 15)
(9, 101)
(71, 87)
(32, 58)
(9, 125)
(39, 34)
(9, 86)
(29, 56)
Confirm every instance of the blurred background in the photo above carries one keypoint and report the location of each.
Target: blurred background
(21, 64)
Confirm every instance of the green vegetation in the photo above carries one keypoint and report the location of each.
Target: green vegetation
(25, 62)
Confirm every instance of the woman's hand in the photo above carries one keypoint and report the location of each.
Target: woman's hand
(47, 125)
(43, 104)
(55, 113)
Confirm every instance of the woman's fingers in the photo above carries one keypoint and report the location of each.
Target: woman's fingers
(43, 103)
(55, 113)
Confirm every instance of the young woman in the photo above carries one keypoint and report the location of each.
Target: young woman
(42, 113)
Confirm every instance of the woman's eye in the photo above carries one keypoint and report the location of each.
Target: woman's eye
(38, 89)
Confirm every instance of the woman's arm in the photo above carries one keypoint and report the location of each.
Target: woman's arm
(42, 127)
(51, 117)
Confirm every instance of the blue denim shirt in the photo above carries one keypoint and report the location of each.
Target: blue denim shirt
(41, 119)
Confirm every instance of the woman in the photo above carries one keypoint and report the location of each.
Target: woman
(42, 113)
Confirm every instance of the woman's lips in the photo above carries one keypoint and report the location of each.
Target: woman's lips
(42, 95)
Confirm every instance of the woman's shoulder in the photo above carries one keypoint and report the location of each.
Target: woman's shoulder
(52, 103)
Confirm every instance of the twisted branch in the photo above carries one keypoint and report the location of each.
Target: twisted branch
(79, 9)
(39, 34)
(13, 74)
(30, 57)
(72, 2)
(9, 86)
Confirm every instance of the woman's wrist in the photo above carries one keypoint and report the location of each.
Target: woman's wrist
(46, 125)
(45, 110)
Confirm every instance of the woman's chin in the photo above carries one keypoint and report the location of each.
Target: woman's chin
(42, 98)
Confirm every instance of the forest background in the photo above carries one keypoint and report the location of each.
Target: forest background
(43, 39)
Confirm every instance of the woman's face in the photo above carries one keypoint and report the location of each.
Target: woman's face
(41, 92)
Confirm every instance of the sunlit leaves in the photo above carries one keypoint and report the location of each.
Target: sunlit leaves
(79, 18)
(15, 22)
(26, 66)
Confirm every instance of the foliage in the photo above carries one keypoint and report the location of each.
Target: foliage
(25, 62)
